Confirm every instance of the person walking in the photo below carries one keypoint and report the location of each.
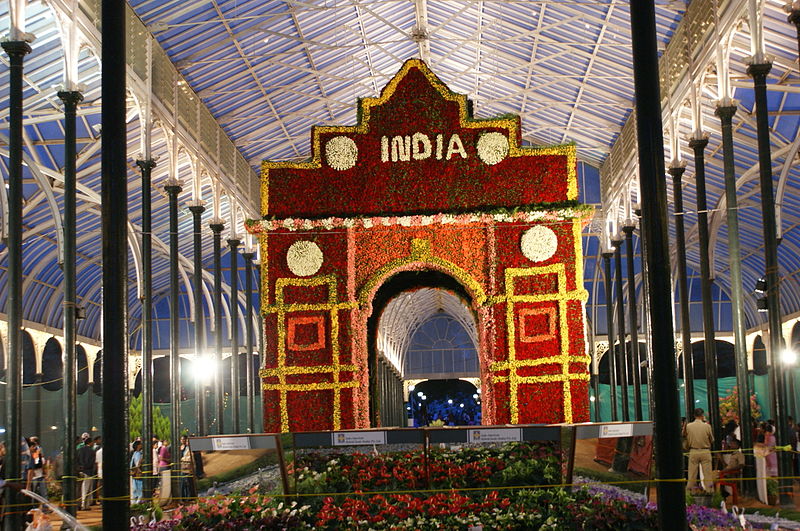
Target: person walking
(700, 438)
(35, 473)
(136, 473)
(98, 463)
(187, 469)
(165, 471)
(85, 464)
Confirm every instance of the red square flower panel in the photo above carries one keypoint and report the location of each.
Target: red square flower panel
(305, 333)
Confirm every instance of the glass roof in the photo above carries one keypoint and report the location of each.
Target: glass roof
(217, 86)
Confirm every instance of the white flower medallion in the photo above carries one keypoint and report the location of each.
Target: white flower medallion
(341, 153)
(304, 258)
(492, 147)
(539, 243)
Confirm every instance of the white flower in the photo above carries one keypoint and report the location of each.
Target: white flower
(288, 223)
(405, 221)
(492, 147)
(341, 153)
(304, 258)
(427, 220)
(367, 222)
(348, 222)
(539, 243)
(448, 218)
(327, 223)
(307, 225)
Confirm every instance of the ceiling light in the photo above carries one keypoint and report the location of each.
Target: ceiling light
(761, 285)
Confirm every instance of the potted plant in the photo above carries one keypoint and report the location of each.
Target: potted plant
(772, 491)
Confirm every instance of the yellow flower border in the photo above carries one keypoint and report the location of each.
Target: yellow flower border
(562, 296)
(282, 370)
(466, 122)
(421, 253)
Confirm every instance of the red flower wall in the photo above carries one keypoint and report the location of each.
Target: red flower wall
(463, 217)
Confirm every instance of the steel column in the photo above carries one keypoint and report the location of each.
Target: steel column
(709, 339)
(219, 406)
(114, 213)
(16, 51)
(759, 74)
(683, 286)
(634, 356)
(623, 351)
(174, 331)
(649, 129)
(260, 345)
(71, 100)
(612, 358)
(248, 291)
(725, 114)
(146, 168)
(234, 257)
(199, 318)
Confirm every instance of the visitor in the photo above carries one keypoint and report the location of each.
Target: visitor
(35, 471)
(136, 472)
(761, 451)
(772, 457)
(85, 464)
(165, 472)
(699, 438)
(735, 463)
(97, 444)
(187, 469)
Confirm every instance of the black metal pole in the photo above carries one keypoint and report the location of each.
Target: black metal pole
(174, 331)
(612, 358)
(261, 343)
(114, 207)
(595, 382)
(759, 74)
(248, 291)
(709, 340)
(645, 302)
(219, 405)
(146, 167)
(234, 257)
(683, 286)
(16, 51)
(669, 461)
(635, 359)
(199, 318)
(725, 114)
(623, 351)
(71, 100)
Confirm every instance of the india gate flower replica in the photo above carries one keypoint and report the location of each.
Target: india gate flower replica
(420, 185)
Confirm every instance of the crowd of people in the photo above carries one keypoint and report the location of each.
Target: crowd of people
(163, 468)
(698, 440)
(42, 474)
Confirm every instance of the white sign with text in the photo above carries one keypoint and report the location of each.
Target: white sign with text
(616, 430)
(358, 438)
(495, 435)
(230, 443)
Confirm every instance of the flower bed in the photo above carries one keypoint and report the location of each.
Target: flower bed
(470, 467)
(493, 487)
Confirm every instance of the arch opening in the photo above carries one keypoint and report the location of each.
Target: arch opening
(423, 333)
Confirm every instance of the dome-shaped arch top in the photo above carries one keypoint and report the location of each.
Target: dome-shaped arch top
(52, 366)
(410, 310)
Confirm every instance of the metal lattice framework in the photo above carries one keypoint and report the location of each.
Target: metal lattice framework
(215, 86)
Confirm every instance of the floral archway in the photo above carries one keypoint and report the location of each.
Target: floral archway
(420, 183)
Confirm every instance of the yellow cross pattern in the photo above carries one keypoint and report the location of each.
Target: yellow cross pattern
(281, 308)
(512, 364)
